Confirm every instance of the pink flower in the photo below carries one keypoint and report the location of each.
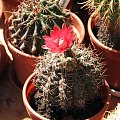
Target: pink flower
(59, 39)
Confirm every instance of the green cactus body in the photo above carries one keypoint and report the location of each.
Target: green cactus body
(109, 24)
(32, 21)
(68, 81)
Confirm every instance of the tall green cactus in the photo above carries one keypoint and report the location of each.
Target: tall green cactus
(67, 81)
(109, 12)
(32, 20)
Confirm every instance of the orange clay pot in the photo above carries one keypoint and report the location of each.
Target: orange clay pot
(1, 15)
(29, 89)
(1, 8)
(24, 64)
(110, 57)
(3, 56)
(9, 6)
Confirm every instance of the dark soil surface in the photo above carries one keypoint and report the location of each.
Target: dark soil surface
(91, 108)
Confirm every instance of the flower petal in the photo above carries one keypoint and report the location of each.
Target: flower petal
(59, 39)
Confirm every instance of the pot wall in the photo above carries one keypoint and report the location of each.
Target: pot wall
(2, 57)
(24, 64)
(29, 89)
(1, 8)
(1, 15)
(110, 57)
(9, 6)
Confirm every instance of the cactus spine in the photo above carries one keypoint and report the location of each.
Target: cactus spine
(109, 12)
(32, 20)
(68, 81)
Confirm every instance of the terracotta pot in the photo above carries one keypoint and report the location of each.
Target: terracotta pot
(1, 15)
(24, 63)
(110, 57)
(69, 4)
(1, 8)
(9, 6)
(2, 57)
(3, 54)
(29, 89)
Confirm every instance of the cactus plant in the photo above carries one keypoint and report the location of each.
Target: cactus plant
(109, 22)
(68, 77)
(32, 20)
(23, 31)
(104, 31)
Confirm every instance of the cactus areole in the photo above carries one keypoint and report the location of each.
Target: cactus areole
(34, 19)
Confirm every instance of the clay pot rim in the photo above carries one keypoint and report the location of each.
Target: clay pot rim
(14, 49)
(15, 2)
(26, 103)
(1, 9)
(17, 51)
(82, 32)
(101, 45)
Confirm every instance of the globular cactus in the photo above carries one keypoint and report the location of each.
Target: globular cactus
(67, 81)
(32, 20)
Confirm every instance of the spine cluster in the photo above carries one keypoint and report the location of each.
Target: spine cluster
(68, 81)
